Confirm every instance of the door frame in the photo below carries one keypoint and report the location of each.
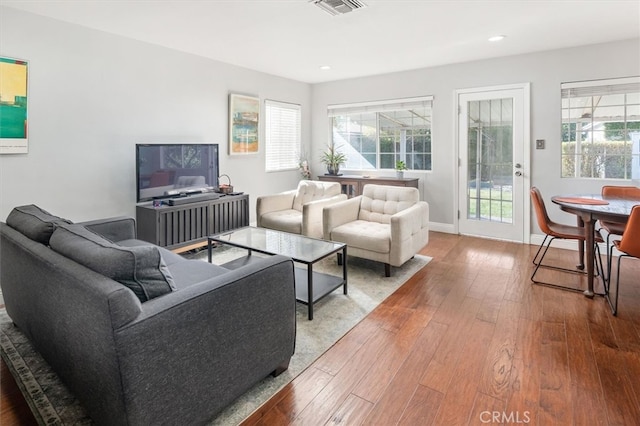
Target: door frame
(526, 153)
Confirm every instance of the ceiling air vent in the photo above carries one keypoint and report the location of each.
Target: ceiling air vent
(338, 7)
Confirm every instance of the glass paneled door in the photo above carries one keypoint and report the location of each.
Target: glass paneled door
(492, 171)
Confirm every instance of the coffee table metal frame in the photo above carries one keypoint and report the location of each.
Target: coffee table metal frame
(318, 284)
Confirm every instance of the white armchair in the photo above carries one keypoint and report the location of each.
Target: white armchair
(298, 211)
(387, 224)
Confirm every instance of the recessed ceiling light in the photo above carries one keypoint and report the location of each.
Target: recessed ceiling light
(497, 38)
(325, 67)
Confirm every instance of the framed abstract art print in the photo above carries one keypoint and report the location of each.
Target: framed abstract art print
(13, 106)
(244, 124)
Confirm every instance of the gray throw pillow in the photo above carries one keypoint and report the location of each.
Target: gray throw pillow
(141, 268)
(34, 222)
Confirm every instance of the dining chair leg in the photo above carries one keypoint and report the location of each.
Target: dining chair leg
(539, 261)
(609, 265)
(540, 248)
(609, 252)
(610, 248)
(598, 262)
(598, 266)
(614, 304)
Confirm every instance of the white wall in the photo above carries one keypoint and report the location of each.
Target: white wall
(93, 96)
(545, 71)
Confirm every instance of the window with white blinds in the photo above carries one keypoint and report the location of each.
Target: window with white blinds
(376, 135)
(283, 136)
(601, 129)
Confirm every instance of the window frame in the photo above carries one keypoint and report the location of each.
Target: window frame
(287, 158)
(593, 125)
(377, 108)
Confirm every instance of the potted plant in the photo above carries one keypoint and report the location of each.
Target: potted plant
(400, 168)
(333, 159)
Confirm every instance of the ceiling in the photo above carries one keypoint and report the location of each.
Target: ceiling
(293, 38)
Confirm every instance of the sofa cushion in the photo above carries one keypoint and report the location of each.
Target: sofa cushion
(168, 256)
(189, 272)
(34, 222)
(185, 272)
(141, 269)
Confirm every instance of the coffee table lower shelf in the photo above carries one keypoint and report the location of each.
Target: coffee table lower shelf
(322, 284)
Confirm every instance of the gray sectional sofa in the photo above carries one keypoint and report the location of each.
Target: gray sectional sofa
(139, 334)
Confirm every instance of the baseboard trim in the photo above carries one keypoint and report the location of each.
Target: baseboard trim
(447, 228)
(534, 239)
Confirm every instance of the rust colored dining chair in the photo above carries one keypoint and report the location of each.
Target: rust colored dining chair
(614, 228)
(552, 231)
(629, 246)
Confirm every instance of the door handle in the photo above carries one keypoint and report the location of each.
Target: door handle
(518, 166)
(518, 173)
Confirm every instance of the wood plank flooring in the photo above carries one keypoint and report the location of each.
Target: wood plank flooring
(467, 341)
(470, 341)
(14, 411)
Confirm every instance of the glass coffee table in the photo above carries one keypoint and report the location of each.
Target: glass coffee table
(311, 286)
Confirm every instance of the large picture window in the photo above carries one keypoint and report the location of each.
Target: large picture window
(375, 135)
(283, 136)
(601, 129)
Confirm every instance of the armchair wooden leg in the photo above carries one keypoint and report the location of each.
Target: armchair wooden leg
(387, 270)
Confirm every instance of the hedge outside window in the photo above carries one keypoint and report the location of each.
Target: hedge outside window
(601, 129)
(282, 136)
(375, 135)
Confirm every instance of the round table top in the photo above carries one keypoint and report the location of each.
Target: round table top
(596, 203)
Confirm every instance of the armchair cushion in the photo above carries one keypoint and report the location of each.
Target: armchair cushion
(380, 202)
(267, 204)
(386, 224)
(288, 220)
(310, 190)
(298, 211)
(363, 234)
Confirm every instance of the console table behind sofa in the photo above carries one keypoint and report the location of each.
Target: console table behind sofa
(352, 185)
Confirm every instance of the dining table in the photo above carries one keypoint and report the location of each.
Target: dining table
(590, 208)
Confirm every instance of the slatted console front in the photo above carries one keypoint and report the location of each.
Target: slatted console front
(188, 225)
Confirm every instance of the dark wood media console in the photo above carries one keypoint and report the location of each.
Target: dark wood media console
(186, 226)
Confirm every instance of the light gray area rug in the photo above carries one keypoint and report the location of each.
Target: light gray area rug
(334, 315)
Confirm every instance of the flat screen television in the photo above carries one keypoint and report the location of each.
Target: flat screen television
(169, 170)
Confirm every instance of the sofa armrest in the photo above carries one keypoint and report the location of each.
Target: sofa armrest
(219, 336)
(114, 228)
(273, 203)
(312, 215)
(338, 214)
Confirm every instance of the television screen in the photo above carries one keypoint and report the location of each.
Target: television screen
(166, 170)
